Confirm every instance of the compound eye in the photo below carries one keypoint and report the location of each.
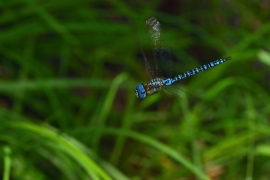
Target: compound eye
(140, 91)
(143, 91)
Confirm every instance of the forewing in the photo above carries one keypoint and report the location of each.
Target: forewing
(162, 55)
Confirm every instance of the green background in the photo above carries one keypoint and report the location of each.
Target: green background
(68, 73)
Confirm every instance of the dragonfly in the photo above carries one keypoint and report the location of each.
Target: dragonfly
(162, 57)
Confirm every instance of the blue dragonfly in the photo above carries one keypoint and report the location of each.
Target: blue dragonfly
(161, 76)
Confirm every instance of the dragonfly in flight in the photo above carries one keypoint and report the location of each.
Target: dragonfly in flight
(160, 77)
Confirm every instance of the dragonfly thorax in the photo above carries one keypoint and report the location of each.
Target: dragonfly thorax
(155, 85)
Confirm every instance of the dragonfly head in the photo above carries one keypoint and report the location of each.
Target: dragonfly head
(140, 91)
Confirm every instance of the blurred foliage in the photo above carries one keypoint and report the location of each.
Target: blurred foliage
(68, 111)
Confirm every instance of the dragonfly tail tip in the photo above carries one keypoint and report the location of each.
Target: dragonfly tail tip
(228, 58)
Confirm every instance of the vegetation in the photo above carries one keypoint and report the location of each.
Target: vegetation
(68, 73)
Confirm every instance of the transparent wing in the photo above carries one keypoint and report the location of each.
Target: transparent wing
(150, 71)
(162, 55)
